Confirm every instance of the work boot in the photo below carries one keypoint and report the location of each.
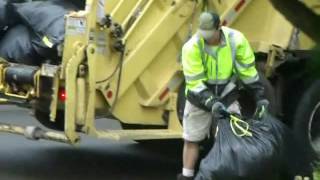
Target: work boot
(182, 177)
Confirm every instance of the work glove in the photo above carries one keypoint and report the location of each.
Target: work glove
(209, 102)
(203, 99)
(261, 109)
(217, 110)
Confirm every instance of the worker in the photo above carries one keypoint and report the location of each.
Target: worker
(212, 59)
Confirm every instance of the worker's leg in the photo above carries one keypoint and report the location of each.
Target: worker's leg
(190, 157)
(196, 126)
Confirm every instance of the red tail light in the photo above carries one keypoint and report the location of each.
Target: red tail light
(62, 94)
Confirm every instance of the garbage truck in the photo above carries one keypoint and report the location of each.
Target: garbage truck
(128, 69)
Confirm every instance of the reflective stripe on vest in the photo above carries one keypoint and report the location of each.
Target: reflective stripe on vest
(199, 88)
(238, 65)
(233, 50)
(218, 81)
(203, 56)
(251, 79)
(195, 77)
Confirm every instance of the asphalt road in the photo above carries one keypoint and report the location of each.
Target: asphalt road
(93, 159)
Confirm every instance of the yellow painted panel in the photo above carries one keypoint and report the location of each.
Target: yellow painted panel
(261, 23)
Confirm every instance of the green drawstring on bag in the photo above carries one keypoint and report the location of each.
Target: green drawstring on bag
(239, 127)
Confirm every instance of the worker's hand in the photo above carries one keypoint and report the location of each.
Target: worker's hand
(209, 102)
(261, 109)
(217, 110)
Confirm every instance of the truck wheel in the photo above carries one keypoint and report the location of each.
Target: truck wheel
(44, 119)
(307, 120)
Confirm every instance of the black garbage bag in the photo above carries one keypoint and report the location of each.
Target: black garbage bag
(2, 32)
(46, 19)
(7, 17)
(16, 46)
(262, 156)
(3, 9)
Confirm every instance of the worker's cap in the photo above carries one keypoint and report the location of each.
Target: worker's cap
(208, 23)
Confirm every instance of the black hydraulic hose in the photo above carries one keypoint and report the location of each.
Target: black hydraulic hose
(113, 73)
(119, 77)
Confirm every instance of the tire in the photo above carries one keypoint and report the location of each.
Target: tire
(306, 123)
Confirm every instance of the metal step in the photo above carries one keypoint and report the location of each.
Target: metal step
(143, 134)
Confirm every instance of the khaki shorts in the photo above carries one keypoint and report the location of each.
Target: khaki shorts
(197, 122)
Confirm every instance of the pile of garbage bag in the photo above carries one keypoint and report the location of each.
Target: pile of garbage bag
(30, 32)
(254, 150)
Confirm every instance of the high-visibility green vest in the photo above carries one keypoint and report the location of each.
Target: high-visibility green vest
(203, 64)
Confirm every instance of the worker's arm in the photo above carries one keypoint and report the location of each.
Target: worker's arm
(245, 66)
(248, 74)
(197, 92)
